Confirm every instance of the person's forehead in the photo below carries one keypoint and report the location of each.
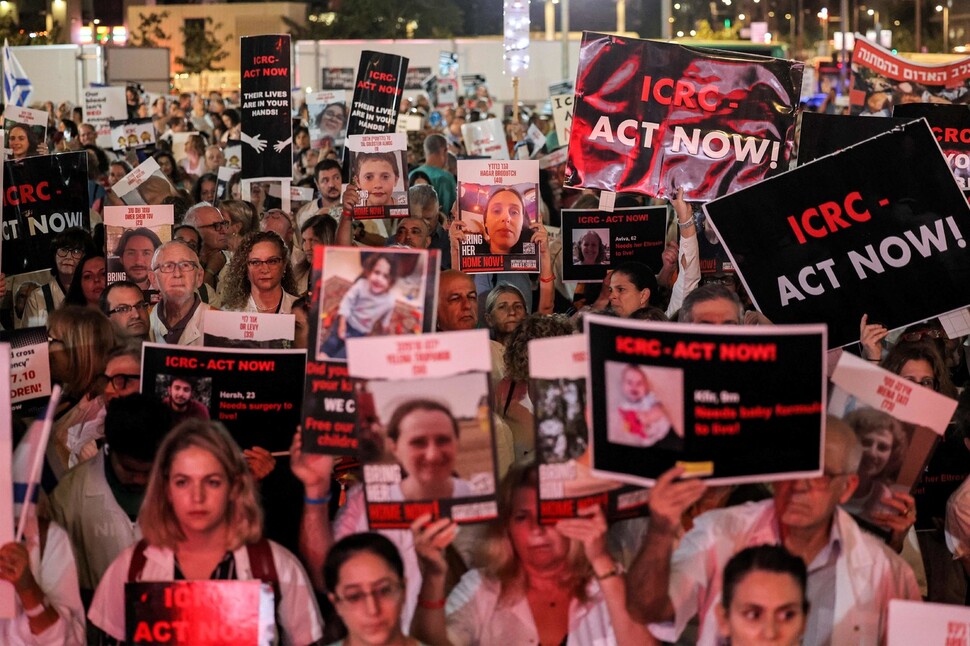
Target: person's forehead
(413, 222)
(209, 215)
(329, 173)
(121, 364)
(139, 240)
(180, 383)
(124, 295)
(177, 252)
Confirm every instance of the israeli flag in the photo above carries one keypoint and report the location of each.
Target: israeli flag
(16, 85)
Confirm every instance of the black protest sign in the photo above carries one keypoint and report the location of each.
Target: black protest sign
(266, 107)
(857, 232)
(824, 134)
(337, 78)
(42, 196)
(951, 127)
(652, 117)
(596, 241)
(255, 393)
(699, 396)
(189, 613)
(377, 93)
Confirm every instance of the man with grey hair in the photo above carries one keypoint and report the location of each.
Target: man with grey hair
(436, 168)
(214, 228)
(423, 203)
(852, 575)
(177, 319)
(713, 304)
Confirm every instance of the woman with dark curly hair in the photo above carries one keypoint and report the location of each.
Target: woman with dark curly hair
(259, 278)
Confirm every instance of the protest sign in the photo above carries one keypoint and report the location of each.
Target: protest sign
(327, 118)
(849, 234)
(470, 84)
(927, 624)
(233, 153)
(711, 254)
(25, 129)
(199, 613)
(897, 422)
(337, 78)
(485, 138)
(43, 196)
(666, 394)
(881, 80)
(415, 76)
(377, 93)
(498, 205)
(411, 284)
(247, 330)
(597, 241)
(515, 29)
(101, 106)
(130, 134)
(266, 106)
(255, 393)
(412, 392)
(132, 234)
(145, 184)
(652, 117)
(557, 373)
(29, 369)
(379, 170)
(824, 134)
(8, 605)
(562, 115)
(951, 127)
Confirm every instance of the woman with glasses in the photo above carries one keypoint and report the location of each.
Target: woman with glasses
(201, 521)
(67, 249)
(259, 278)
(364, 575)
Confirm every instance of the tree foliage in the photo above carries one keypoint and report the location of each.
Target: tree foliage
(149, 31)
(202, 47)
(17, 36)
(383, 19)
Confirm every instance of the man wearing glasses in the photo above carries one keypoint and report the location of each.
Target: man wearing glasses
(852, 575)
(124, 303)
(214, 228)
(177, 319)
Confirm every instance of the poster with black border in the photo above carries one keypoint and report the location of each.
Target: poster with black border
(337, 78)
(824, 134)
(651, 117)
(377, 93)
(131, 134)
(951, 127)
(425, 427)
(557, 386)
(898, 423)
(132, 234)
(31, 126)
(199, 613)
(498, 203)
(43, 196)
(703, 397)
(881, 80)
(378, 166)
(596, 241)
(847, 234)
(248, 330)
(257, 394)
(266, 105)
(29, 369)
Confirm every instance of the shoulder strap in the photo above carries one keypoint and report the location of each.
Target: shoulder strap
(48, 296)
(261, 562)
(138, 561)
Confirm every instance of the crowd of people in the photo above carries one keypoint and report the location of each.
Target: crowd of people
(145, 487)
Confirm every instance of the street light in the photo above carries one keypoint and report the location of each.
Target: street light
(823, 17)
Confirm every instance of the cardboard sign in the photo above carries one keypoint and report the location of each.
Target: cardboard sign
(131, 134)
(337, 78)
(951, 127)
(881, 80)
(927, 624)
(666, 394)
(378, 166)
(248, 330)
(557, 374)
(596, 241)
(485, 138)
(429, 389)
(266, 107)
(897, 423)
(824, 134)
(562, 115)
(652, 117)
(132, 234)
(29, 369)
(101, 106)
(24, 129)
(327, 116)
(43, 196)
(849, 234)
(257, 394)
(377, 93)
(145, 184)
(498, 204)
(199, 613)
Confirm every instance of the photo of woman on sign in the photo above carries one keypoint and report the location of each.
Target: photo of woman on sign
(507, 221)
(589, 248)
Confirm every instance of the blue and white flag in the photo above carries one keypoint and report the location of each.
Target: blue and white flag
(27, 465)
(16, 86)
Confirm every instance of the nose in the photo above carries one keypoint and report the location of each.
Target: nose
(769, 629)
(371, 605)
(198, 493)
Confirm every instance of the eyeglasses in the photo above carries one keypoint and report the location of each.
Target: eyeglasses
(923, 334)
(184, 266)
(256, 263)
(382, 594)
(221, 225)
(73, 253)
(120, 381)
(926, 382)
(124, 309)
(333, 114)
